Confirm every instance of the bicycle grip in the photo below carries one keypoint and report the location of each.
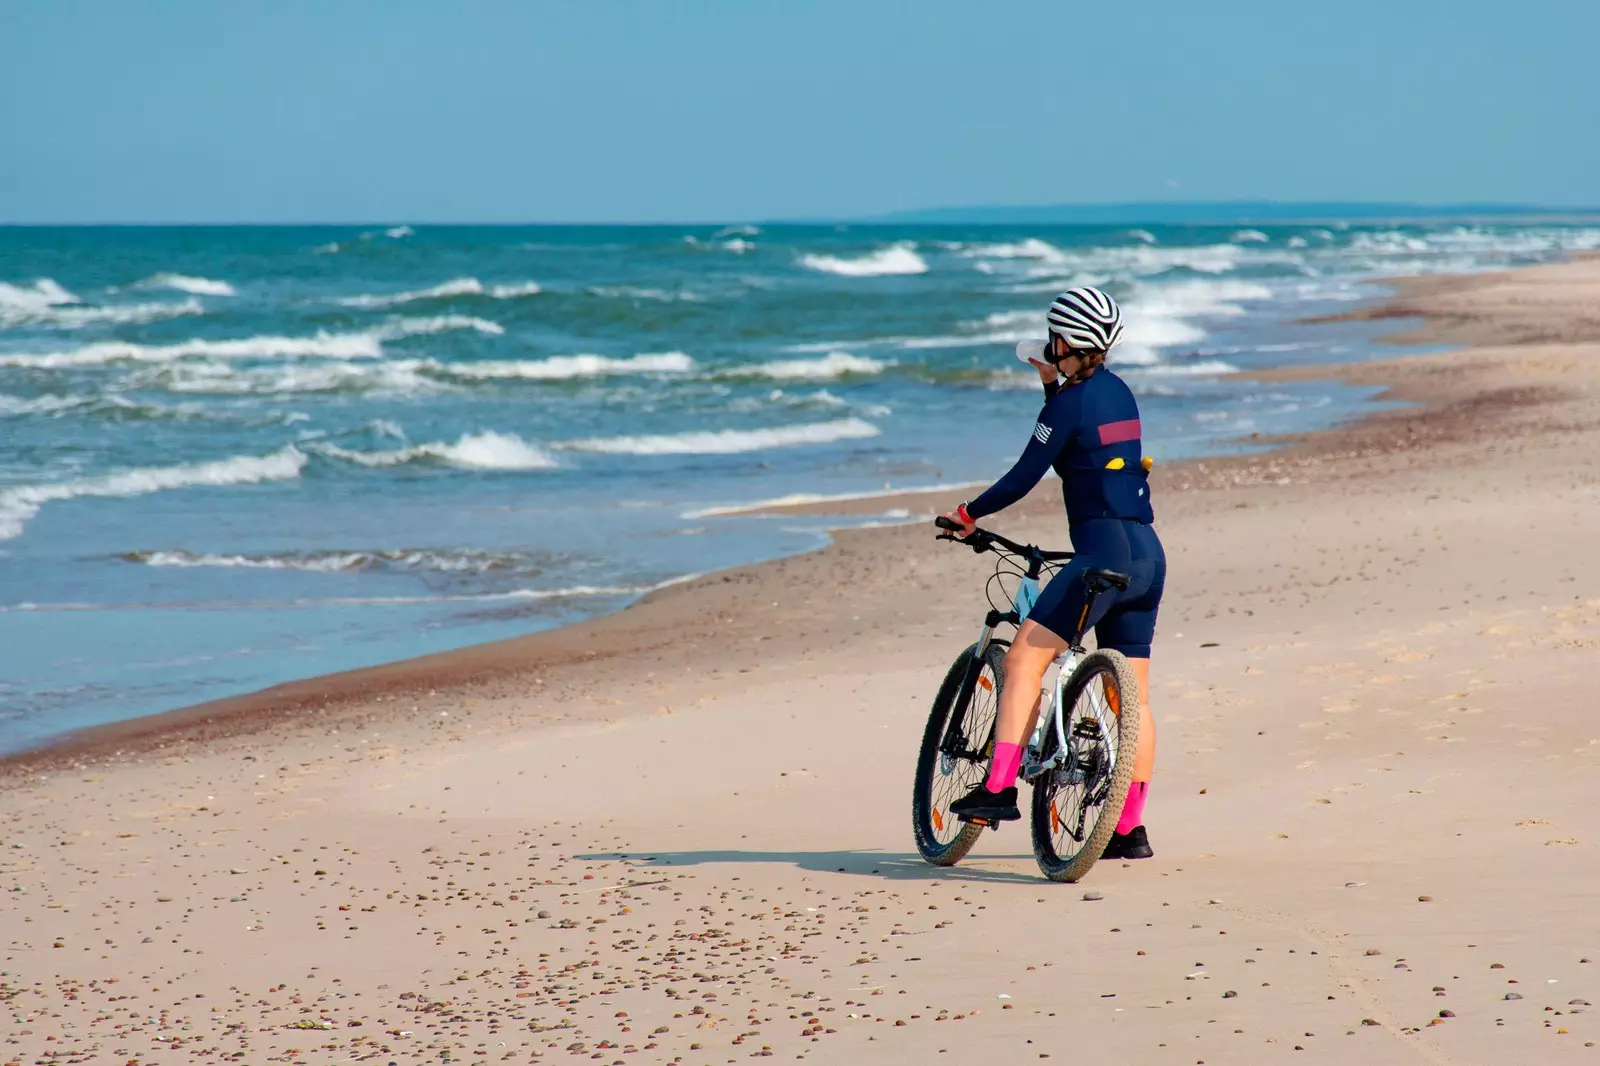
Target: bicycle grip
(949, 523)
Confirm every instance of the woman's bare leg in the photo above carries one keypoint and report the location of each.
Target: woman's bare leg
(1030, 656)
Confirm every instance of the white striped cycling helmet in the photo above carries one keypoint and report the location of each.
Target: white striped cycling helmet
(1086, 318)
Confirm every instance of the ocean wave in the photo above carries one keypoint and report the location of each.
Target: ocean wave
(834, 365)
(46, 303)
(321, 345)
(638, 292)
(736, 231)
(1028, 248)
(1194, 368)
(401, 328)
(1249, 236)
(194, 286)
(444, 291)
(727, 441)
(473, 451)
(738, 245)
(395, 233)
(408, 560)
(18, 505)
(566, 367)
(42, 295)
(898, 258)
(115, 408)
(399, 377)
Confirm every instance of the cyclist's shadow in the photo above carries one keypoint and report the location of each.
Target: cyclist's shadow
(904, 866)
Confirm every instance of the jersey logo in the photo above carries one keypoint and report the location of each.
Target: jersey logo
(1041, 433)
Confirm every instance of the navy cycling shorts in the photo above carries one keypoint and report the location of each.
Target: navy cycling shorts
(1125, 620)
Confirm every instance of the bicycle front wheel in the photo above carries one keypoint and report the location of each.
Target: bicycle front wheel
(1077, 803)
(953, 761)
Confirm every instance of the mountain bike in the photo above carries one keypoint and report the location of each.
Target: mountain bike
(1079, 760)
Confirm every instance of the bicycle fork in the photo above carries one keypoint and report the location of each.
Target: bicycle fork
(956, 743)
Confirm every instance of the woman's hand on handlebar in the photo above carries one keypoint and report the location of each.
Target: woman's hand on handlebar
(957, 519)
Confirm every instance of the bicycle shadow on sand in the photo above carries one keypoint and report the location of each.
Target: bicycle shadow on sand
(892, 866)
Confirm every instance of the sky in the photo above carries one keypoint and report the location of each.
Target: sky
(544, 110)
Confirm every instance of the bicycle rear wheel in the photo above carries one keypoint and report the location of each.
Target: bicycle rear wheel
(1076, 805)
(948, 771)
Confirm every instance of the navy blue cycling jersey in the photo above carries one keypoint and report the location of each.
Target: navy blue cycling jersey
(1090, 433)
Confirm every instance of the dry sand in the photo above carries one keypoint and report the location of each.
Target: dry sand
(681, 833)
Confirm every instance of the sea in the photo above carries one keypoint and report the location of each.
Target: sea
(235, 456)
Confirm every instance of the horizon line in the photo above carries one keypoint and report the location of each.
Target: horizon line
(1318, 210)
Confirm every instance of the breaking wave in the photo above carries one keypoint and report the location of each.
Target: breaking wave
(833, 365)
(20, 504)
(474, 451)
(407, 560)
(566, 367)
(727, 441)
(444, 291)
(194, 286)
(898, 258)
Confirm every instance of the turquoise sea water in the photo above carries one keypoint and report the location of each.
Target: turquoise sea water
(235, 456)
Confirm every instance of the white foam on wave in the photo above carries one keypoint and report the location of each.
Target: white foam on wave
(440, 560)
(322, 345)
(736, 231)
(194, 286)
(318, 346)
(727, 441)
(395, 233)
(47, 303)
(1249, 236)
(42, 295)
(833, 365)
(898, 258)
(567, 367)
(473, 451)
(444, 291)
(401, 328)
(1027, 248)
(1159, 316)
(738, 245)
(18, 505)
(1193, 368)
(223, 379)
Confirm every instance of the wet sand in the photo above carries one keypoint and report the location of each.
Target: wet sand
(681, 833)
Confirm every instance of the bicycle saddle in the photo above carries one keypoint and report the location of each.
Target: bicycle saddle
(1105, 579)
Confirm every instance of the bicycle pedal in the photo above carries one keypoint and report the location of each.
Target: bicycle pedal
(976, 821)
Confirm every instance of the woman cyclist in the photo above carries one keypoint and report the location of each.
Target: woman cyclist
(1088, 431)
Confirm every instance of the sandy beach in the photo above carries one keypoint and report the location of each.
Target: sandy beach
(681, 834)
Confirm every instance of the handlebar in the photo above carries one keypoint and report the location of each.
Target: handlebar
(982, 540)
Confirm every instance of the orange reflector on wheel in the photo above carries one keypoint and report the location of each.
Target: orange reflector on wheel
(1113, 699)
(1055, 819)
(986, 683)
(938, 820)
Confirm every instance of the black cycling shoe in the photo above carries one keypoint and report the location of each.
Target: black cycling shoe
(987, 806)
(1134, 844)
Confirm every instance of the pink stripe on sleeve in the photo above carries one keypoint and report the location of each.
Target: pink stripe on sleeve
(1117, 432)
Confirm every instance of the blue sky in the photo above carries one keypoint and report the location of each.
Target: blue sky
(586, 111)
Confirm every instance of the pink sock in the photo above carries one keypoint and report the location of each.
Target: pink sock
(1133, 809)
(1003, 770)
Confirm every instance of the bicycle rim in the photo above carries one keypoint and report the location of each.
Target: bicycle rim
(1076, 806)
(943, 778)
